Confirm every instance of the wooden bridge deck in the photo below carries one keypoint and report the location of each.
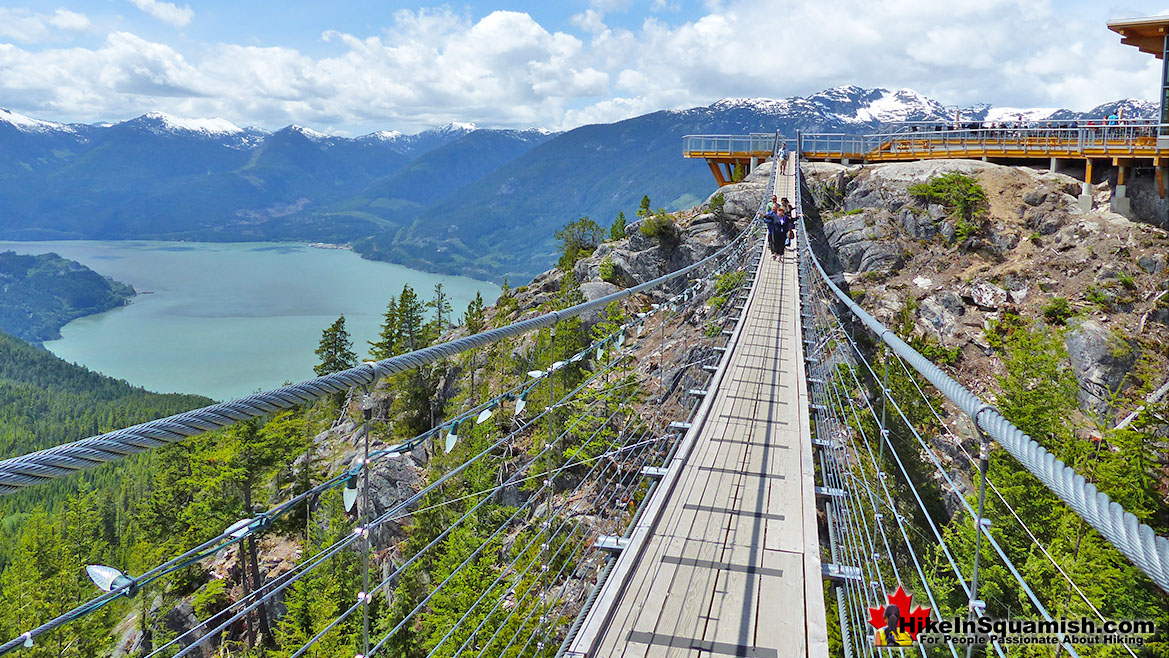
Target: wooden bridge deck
(730, 566)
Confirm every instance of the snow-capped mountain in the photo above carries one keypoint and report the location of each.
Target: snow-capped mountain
(28, 124)
(456, 198)
(855, 109)
(161, 123)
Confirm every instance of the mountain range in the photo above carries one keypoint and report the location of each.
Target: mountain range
(456, 199)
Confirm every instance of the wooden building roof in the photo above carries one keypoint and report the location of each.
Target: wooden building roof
(1147, 34)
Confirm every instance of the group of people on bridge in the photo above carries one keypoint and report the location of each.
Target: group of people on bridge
(781, 225)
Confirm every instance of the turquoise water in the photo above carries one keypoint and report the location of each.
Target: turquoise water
(226, 320)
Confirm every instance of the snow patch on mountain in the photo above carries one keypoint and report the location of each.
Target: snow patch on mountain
(29, 124)
(383, 136)
(314, 135)
(162, 122)
(1013, 113)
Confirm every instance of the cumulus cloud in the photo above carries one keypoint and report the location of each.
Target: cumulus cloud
(166, 12)
(431, 66)
(31, 27)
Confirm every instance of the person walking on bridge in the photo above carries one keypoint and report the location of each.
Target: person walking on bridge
(783, 159)
(789, 227)
(775, 223)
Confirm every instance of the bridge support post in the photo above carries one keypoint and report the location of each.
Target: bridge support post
(1054, 166)
(1085, 201)
(1120, 202)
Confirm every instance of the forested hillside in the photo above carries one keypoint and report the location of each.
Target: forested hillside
(41, 294)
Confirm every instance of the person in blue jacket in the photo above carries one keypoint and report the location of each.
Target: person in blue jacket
(776, 222)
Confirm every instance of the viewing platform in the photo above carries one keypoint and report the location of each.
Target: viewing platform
(1124, 144)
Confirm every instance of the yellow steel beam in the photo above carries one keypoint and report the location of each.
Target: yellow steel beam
(717, 171)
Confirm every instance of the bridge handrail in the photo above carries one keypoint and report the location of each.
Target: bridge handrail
(964, 138)
(750, 143)
(68, 458)
(1137, 541)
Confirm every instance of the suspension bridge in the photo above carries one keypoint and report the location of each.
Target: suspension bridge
(756, 475)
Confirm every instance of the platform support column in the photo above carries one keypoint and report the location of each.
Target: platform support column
(1054, 168)
(1120, 203)
(1084, 203)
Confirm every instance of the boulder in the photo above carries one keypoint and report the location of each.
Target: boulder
(918, 224)
(1152, 263)
(741, 199)
(1035, 196)
(1100, 360)
(862, 247)
(179, 620)
(940, 313)
(985, 296)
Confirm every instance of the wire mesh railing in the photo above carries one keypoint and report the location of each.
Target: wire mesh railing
(864, 449)
(612, 477)
(754, 144)
(931, 139)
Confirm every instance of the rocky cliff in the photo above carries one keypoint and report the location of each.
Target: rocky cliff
(1030, 255)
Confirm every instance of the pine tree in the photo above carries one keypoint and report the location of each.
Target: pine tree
(617, 228)
(474, 319)
(412, 334)
(441, 305)
(644, 210)
(386, 345)
(335, 350)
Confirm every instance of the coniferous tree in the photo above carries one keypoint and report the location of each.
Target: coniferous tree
(412, 334)
(335, 350)
(617, 228)
(386, 345)
(644, 210)
(474, 318)
(441, 305)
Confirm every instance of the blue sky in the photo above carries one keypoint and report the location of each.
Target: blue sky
(356, 66)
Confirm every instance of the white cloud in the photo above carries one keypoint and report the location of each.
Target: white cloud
(432, 66)
(590, 20)
(29, 27)
(166, 12)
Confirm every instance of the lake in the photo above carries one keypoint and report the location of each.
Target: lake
(227, 319)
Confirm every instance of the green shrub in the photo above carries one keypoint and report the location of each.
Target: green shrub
(964, 230)
(660, 226)
(854, 211)
(1057, 311)
(211, 599)
(999, 332)
(606, 270)
(1101, 297)
(729, 281)
(1127, 281)
(961, 195)
(718, 206)
(578, 239)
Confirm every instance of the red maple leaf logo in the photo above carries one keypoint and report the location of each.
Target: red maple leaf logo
(911, 622)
